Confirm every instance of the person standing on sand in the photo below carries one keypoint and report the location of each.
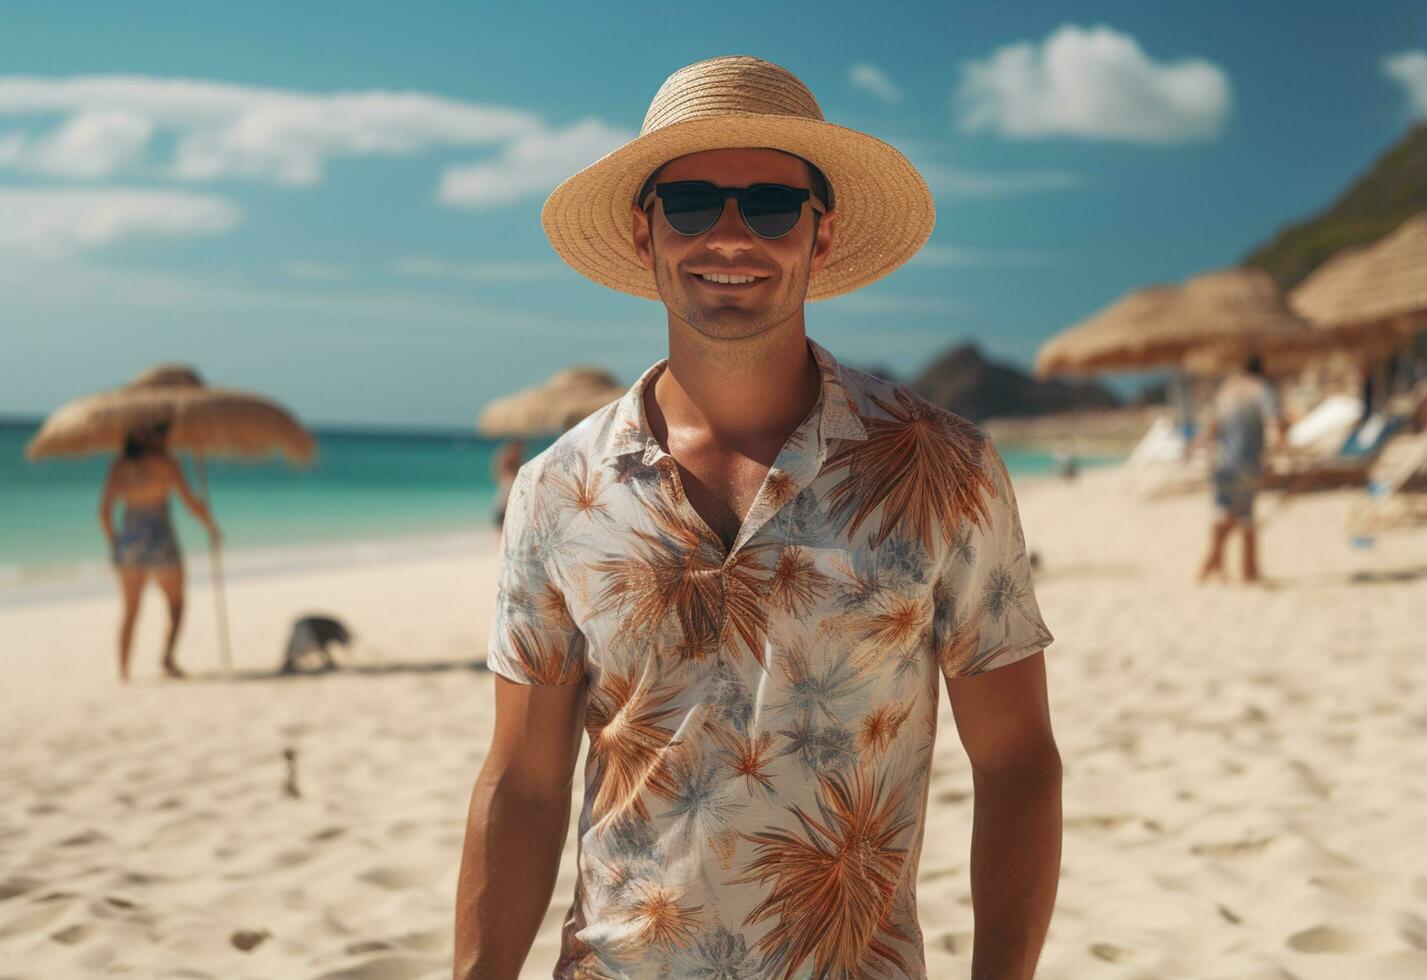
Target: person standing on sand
(743, 579)
(1239, 415)
(504, 467)
(145, 544)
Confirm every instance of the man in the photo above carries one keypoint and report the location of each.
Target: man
(742, 579)
(1241, 410)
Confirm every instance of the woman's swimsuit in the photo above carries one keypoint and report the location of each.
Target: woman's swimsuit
(146, 538)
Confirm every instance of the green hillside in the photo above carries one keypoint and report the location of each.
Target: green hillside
(1393, 191)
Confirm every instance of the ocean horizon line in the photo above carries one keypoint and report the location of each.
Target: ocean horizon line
(339, 429)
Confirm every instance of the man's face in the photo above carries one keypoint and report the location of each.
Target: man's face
(783, 265)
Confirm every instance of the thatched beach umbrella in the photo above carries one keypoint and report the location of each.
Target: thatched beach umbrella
(1371, 291)
(1111, 339)
(201, 420)
(1232, 312)
(204, 421)
(551, 407)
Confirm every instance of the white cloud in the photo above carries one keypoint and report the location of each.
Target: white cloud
(943, 256)
(1094, 83)
(533, 163)
(1409, 69)
(875, 82)
(312, 270)
(50, 222)
(91, 144)
(224, 131)
(429, 267)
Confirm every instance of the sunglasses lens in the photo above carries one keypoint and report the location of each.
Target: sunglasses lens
(771, 212)
(692, 207)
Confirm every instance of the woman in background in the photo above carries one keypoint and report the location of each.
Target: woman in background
(505, 465)
(142, 477)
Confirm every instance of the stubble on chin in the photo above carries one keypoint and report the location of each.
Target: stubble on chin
(721, 323)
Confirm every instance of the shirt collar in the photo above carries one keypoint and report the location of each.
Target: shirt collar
(839, 417)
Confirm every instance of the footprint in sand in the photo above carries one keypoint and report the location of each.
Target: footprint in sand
(1233, 848)
(956, 943)
(17, 886)
(1363, 886)
(1327, 939)
(393, 879)
(73, 935)
(1111, 953)
(1413, 930)
(953, 796)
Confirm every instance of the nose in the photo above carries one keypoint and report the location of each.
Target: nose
(729, 234)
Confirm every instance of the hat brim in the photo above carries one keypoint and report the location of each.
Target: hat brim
(885, 210)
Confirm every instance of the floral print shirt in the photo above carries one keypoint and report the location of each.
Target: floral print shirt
(761, 718)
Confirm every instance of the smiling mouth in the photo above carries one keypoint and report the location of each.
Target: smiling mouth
(728, 283)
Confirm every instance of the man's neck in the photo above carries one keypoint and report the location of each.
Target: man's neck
(737, 392)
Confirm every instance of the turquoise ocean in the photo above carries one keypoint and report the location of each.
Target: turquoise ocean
(365, 489)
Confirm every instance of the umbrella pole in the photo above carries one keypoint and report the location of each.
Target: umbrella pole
(217, 561)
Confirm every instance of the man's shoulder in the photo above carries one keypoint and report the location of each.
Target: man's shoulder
(582, 444)
(879, 399)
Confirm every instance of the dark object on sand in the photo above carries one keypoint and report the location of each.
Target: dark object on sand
(289, 787)
(310, 636)
(249, 939)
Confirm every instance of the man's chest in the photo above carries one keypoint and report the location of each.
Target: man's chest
(720, 489)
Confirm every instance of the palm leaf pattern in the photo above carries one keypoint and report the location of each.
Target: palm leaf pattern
(628, 744)
(540, 658)
(581, 487)
(921, 466)
(660, 920)
(760, 714)
(796, 584)
(830, 888)
(880, 728)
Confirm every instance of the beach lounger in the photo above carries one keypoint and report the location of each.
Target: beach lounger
(1327, 425)
(1166, 462)
(1349, 466)
(1397, 497)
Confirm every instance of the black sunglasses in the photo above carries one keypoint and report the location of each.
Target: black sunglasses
(692, 207)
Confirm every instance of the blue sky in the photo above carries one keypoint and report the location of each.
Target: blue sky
(338, 206)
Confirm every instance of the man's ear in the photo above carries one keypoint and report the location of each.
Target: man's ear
(642, 245)
(822, 241)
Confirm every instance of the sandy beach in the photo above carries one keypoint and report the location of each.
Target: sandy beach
(1242, 766)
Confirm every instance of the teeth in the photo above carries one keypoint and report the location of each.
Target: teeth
(727, 279)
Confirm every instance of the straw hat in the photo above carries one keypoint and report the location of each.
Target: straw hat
(885, 211)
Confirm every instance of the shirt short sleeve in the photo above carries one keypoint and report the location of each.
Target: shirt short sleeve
(533, 638)
(986, 615)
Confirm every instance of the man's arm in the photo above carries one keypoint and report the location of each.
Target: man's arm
(519, 813)
(1003, 720)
